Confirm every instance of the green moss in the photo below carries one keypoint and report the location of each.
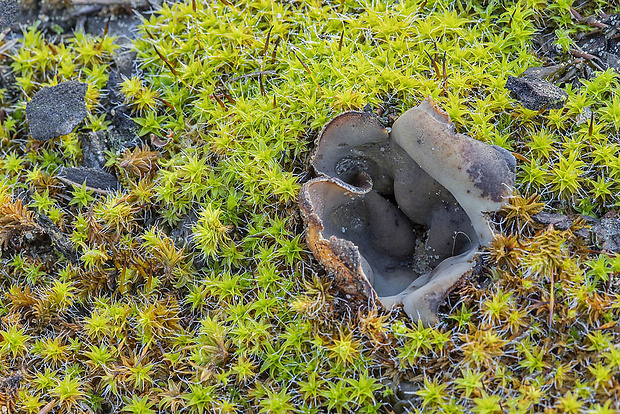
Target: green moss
(238, 316)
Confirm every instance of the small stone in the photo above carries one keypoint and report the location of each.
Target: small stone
(94, 145)
(96, 179)
(612, 60)
(536, 94)
(56, 110)
(545, 72)
(182, 233)
(559, 221)
(565, 222)
(593, 44)
(8, 11)
(608, 232)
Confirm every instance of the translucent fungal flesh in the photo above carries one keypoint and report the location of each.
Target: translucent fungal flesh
(401, 215)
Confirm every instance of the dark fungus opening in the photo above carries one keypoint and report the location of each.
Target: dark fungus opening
(402, 220)
(400, 215)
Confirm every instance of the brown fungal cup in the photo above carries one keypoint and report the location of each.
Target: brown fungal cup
(399, 216)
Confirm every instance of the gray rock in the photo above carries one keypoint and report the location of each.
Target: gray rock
(565, 222)
(96, 179)
(182, 233)
(536, 94)
(608, 233)
(612, 60)
(548, 73)
(115, 95)
(119, 137)
(603, 43)
(57, 110)
(125, 128)
(59, 240)
(8, 11)
(94, 145)
(559, 221)
(593, 44)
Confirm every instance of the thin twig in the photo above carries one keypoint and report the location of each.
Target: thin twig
(172, 69)
(275, 48)
(219, 101)
(87, 187)
(105, 33)
(8, 45)
(48, 407)
(520, 157)
(262, 74)
(551, 301)
(434, 64)
(196, 23)
(591, 58)
(307, 68)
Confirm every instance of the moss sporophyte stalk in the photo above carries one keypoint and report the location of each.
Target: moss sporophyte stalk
(191, 288)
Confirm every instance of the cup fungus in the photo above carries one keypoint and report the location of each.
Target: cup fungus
(400, 216)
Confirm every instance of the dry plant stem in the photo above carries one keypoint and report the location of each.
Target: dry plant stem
(261, 76)
(608, 325)
(167, 62)
(69, 183)
(105, 33)
(196, 24)
(275, 49)
(588, 56)
(48, 407)
(8, 45)
(219, 101)
(433, 64)
(542, 110)
(593, 251)
(309, 72)
(520, 157)
(228, 96)
(168, 104)
(551, 301)
(444, 83)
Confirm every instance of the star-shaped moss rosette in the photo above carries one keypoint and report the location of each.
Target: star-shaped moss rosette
(401, 215)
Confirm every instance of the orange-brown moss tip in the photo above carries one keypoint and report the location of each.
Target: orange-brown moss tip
(400, 216)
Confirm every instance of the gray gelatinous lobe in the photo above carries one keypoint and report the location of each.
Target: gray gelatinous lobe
(56, 110)
(490, 180)
(400, 216)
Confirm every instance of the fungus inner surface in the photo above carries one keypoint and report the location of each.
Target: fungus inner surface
(404, 224)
